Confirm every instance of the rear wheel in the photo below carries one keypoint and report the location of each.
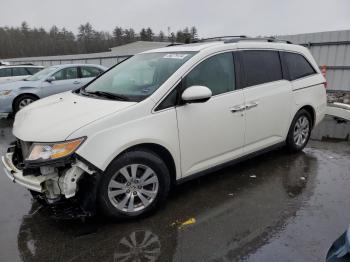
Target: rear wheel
(22, 101)
(300, 131)
(134, 185)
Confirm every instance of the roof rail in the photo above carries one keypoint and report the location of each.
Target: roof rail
(266, 39)
(22, 64)
(221, 38)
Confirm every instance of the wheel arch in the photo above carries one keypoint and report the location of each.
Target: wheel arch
(21, 95)
(312, 112)
(161, 151)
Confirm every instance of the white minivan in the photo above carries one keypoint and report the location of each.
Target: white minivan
(120, 143)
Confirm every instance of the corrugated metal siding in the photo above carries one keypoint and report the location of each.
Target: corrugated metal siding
(338, 80)
(332, 54)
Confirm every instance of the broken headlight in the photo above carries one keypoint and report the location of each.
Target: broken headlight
(53, 151)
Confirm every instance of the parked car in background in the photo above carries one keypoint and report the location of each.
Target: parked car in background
(164, 116)
(10, 73)
(51, 80)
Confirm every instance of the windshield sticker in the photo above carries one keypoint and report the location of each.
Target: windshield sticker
(175, 56)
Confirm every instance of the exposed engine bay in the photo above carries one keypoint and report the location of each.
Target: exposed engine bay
(66, 184)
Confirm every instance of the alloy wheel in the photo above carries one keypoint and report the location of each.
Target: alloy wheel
(301, 131)
(25, 102)
(133, 188)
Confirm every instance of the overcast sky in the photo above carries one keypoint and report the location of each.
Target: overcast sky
(211, 17)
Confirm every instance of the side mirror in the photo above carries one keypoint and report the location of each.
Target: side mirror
(196, 94)
(50, 79)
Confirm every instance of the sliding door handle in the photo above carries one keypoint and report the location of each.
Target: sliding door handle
(236, 109)
(251, 105)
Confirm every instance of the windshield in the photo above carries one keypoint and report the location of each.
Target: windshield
(141, 75)
(41, 74)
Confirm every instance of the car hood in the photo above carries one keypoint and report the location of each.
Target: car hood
(54, 118)
(18, 84)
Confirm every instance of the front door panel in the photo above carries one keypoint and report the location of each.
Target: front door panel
(211, 133)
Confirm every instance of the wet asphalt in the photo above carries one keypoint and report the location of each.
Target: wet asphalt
(275, 207)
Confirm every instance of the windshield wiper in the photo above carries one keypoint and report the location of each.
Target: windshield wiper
(108, 95)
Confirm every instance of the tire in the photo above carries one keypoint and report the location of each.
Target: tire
(23, 101)
(299, 131)
(130, 196)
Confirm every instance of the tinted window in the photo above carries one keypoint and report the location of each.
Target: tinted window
(216, 73)
(19, 71)
(260, 67)
(169, 101)
(33, 70)
(67, 73)
(5, 72)
(90, 71)
(297, 65)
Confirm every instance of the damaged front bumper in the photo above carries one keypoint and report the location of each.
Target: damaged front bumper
(75, 183)
(15, 175)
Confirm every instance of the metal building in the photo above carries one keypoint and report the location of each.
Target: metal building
(331, 49)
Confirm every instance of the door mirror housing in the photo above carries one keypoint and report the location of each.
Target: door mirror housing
(50, 79)
(196, 94)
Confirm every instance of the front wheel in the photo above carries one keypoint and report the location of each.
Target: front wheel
(22, 101)
(134, 185)
(300, 131)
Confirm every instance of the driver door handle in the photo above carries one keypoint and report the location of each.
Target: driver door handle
(76, 82)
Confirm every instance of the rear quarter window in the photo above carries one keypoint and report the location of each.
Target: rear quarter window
(297, 66)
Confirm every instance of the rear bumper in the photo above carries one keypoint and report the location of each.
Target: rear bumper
(15, 175)
(339, 110)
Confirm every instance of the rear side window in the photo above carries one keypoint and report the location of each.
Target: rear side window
(19, 71)
(67, 73)
(33, 70)
(297, 65)
(216, 73)
(260, 66)
(5, 72)
(89, 71)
